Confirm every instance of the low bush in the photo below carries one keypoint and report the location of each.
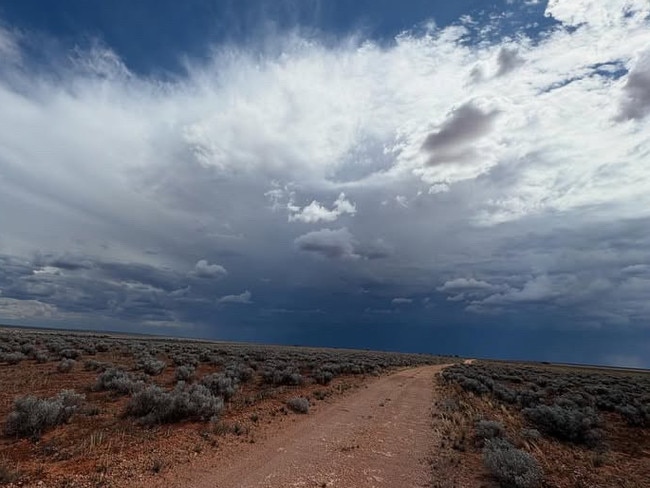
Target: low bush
(118, 381)
(70, 353)
(513, 468)
(65, 365)
(323, 377)
(32, 415)
(94, 365)
(299, 404)
(220, 384)
(577, 425)
(41, 357)
(153, 405)
(151, 365)
(489, 429)
(184, 372)
(12, 357)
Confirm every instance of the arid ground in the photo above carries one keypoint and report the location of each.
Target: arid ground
(88, 410)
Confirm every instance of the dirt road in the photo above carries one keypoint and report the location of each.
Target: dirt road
(379, 436)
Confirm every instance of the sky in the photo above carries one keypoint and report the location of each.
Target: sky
(466, 177)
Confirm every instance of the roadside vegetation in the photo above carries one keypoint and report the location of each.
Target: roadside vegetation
(534, 425)
(102, 404)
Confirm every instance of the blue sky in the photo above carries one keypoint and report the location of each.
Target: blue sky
(453, 177)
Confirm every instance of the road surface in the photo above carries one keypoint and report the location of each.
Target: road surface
(379, 436)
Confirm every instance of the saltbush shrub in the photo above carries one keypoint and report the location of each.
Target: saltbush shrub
(65, 365)
(489, 429)
(118, 381)
(577, 425)
(184, 372)
(151, 365)
(298, 404)
(153, 405)
(12, 357)
(513, 468)
(31, 415)
(69, 353)
(220, 384)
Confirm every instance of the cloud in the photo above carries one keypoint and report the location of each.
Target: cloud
(598, 14)
(636, 91)
(463, 125)
(113, 185)
(9, 45)
(467, 284)
(243, 298)
(27, 309)
(508, 60)
(539, 289)
(315, 212)
(203, 269)
(332, 244)
(401, 301)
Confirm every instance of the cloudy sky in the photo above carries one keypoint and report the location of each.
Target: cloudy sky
(462, 177)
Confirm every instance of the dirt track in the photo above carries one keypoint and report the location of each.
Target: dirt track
(379, 436)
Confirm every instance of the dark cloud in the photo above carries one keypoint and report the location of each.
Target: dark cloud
(508, 60)
(463, 126)
(341, 244)
(158, 277)
(636, 102)
(68, 262)
(329, 243)
(377, 249)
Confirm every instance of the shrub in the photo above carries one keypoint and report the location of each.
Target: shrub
(221, 385)
(32, 415)
(94, 365)
(151, 366)
(117, 380)
(41, 357)
(513, 468)
(283, 376)
(70, 353)
(323, 377)
(153, 405)
(184, 372)
(531, 434)
(572, 424)
(635, 415)
(298, 404)
(13, 357)
(66, 365)
(489, 429)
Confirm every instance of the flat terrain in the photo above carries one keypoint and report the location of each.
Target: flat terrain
(101, 411)
(95, 410)
(380, 435)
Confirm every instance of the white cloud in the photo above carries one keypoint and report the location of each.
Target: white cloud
(243, 298)
(203, 269)
(598, 13)
(315, 212)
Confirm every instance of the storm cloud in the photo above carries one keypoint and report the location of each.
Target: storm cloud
(344, 184)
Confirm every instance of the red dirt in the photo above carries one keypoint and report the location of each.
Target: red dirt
(379, 435)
